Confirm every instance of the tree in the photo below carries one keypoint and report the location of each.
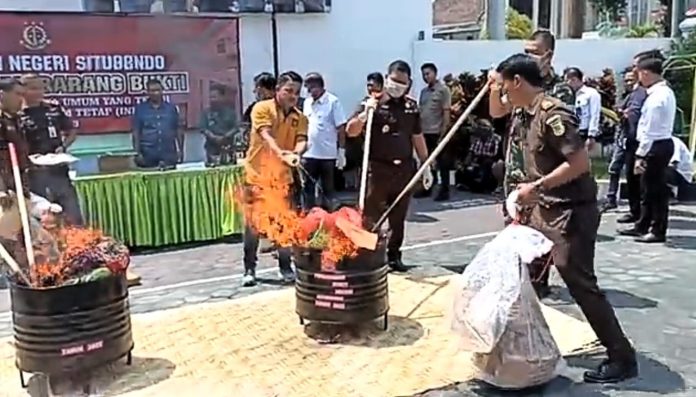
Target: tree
(610, 9)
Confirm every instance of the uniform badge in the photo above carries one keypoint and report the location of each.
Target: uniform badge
(556, 124)
(408, 105)
(385, 129)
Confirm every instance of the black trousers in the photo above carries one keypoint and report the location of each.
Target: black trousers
(443, 163)
(252, 237)
(574, 234)
(321, 171)
(54, 184)
(654, 200)
(384, 183)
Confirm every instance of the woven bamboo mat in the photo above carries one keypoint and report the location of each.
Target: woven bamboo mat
(255, 347)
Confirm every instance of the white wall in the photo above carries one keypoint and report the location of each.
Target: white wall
(591, 56)
(357, 37)
(41, 5)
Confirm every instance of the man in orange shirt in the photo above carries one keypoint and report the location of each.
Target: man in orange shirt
(278, 128)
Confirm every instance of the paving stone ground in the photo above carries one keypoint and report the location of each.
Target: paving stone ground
(651, 287)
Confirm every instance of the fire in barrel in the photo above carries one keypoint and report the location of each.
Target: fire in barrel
(341, 271)
(70, 309)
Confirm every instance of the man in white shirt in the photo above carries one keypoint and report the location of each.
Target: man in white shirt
(588, 106)
(681, 166)
(325, 140)
(655, 148)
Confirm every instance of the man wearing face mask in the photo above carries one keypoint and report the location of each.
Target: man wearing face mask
(396, 132)
(562, 196)
(540, 47)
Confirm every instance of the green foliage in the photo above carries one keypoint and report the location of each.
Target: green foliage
(609, 9)
(679, 71)
(518, 26)
(644, 31)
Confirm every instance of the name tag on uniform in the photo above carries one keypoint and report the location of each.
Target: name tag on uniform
(52, 133)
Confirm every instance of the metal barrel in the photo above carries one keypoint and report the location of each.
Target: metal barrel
(71, 328)
(356, 292)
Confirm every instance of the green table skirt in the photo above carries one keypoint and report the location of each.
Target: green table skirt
(151, 209)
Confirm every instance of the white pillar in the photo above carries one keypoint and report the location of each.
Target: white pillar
(535, 14)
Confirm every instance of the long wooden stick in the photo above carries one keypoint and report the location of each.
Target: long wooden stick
(22, 204)
(440, 147)
(7, 257)
(365, 159)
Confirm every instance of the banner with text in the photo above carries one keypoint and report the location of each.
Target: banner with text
(98, 66)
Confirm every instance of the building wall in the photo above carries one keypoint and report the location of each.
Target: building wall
(358, 37)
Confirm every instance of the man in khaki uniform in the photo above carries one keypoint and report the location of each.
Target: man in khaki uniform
(434, 104)
(562, 196)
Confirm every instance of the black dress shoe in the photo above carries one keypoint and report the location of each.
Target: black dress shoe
(651, 238)
(397, 266)
(442, 195)
(631, 231)
(612, 372)
(627, 218)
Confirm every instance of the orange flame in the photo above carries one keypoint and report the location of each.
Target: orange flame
(267, 210)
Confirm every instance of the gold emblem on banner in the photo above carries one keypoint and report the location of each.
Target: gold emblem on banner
(34, 36)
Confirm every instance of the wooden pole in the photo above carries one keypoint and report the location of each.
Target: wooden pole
(365, 159)
(22, 204)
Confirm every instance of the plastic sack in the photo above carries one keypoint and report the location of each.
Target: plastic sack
(498, 316)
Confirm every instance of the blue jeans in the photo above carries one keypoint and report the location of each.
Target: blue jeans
(618, 161)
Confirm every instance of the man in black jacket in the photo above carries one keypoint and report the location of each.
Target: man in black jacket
(625, 148)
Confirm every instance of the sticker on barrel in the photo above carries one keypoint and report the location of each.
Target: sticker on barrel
(80, 349)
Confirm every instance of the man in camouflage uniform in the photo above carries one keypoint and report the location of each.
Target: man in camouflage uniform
(541, 46)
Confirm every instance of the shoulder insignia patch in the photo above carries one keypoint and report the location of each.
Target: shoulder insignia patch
(556, 124)
(547, 104)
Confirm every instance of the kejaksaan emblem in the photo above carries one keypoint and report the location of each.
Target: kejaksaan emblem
(34, 36)
(556, 125)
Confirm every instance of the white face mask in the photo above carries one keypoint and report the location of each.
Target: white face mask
(395, 89)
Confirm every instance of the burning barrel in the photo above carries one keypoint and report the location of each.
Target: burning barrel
(356, 292)
(71, 328)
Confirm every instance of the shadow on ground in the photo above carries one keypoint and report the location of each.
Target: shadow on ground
(654, 377)
(681, 242)
(401, 331)
(618, 299)
(113, 380)
(683, 224)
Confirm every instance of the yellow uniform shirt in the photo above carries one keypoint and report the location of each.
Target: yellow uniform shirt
(287, 130)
